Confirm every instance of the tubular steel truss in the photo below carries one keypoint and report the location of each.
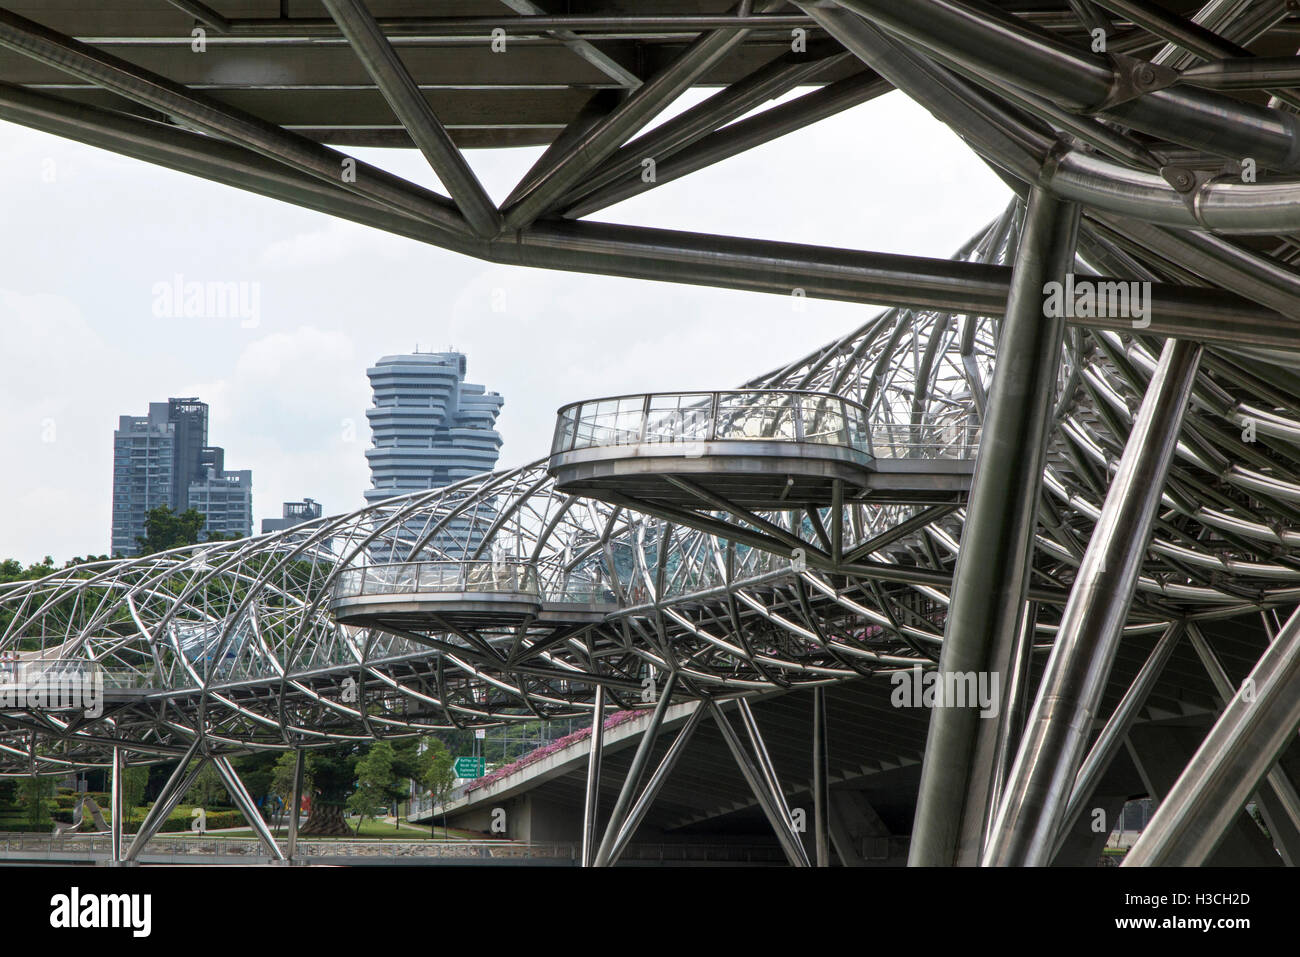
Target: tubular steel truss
(1153, 458)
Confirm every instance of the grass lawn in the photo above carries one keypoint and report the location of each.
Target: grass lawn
(370, 830)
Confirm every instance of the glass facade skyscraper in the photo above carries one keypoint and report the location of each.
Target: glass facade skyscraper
(163, 458)
(431, 428)
(226, 501)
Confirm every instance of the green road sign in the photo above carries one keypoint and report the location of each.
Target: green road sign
(468, 766)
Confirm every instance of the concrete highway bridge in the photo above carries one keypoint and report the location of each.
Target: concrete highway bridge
(1085, 503)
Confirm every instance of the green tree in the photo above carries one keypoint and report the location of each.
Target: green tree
(207, 791)
(12, 570)
(164, 529)
(36, 795)
(133, 784)
(282, 780)
(256, 771)
(437, 775)
(377, 784)
(333, 774)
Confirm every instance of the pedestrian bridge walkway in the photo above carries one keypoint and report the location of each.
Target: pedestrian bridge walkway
(467, 594)
(760, 449)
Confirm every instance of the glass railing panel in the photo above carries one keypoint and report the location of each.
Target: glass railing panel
(425, 577)
(823, 420)
(682, 417)
(610, 422)
(753, 415)
(760, 416)
(565, 430)
(925, 440)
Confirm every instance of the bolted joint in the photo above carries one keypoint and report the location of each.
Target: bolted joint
(1133, 78)
(1190, 185)
(1181, 178)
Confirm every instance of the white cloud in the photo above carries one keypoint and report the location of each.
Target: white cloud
(293, 411)
(333, 244)
(59, 383)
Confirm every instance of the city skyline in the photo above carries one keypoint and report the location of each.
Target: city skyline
(429, 426)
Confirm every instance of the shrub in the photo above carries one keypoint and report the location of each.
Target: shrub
(182, 819)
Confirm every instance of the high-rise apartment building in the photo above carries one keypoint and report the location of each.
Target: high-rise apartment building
(431, 428)
(293, 513)
(226, 501)
(159, 458)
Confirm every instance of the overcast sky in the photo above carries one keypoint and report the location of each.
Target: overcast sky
(87, 235)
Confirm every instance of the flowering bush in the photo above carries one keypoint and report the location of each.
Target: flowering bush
(559, 744)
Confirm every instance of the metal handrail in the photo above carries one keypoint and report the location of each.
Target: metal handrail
(25, 670)
(791, 415)
(506, 576)
(783, 415)
(519, 577)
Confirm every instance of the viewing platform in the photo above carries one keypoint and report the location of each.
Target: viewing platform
(416, 596)
(762, 450)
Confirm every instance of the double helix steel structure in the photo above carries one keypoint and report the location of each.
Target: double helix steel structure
(1076, 442)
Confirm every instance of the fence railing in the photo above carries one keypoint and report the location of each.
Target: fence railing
(40, 844)
(33, 673)
(927, 440)
(754, 415)
(399, 578)
(508, 576)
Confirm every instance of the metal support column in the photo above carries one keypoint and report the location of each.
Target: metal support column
(116, 809)
(601, 142)
(590, 805)
(1093, 622)
(412, 109)
(181, 778)
(1016, 702)
(821, 780)
(1256, 726)
(299, 766)
(635, 772)
(758, 785)
(992, 575)
(1111, 739)
(244, 801)
(1287, 799)
(764, 761)
(657, 779)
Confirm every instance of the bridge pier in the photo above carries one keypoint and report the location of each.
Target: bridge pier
(179, 782)
(590, 805)
(1070, 691)
(635, 772)
(116, 802)
(244, 801)
(299, 762)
